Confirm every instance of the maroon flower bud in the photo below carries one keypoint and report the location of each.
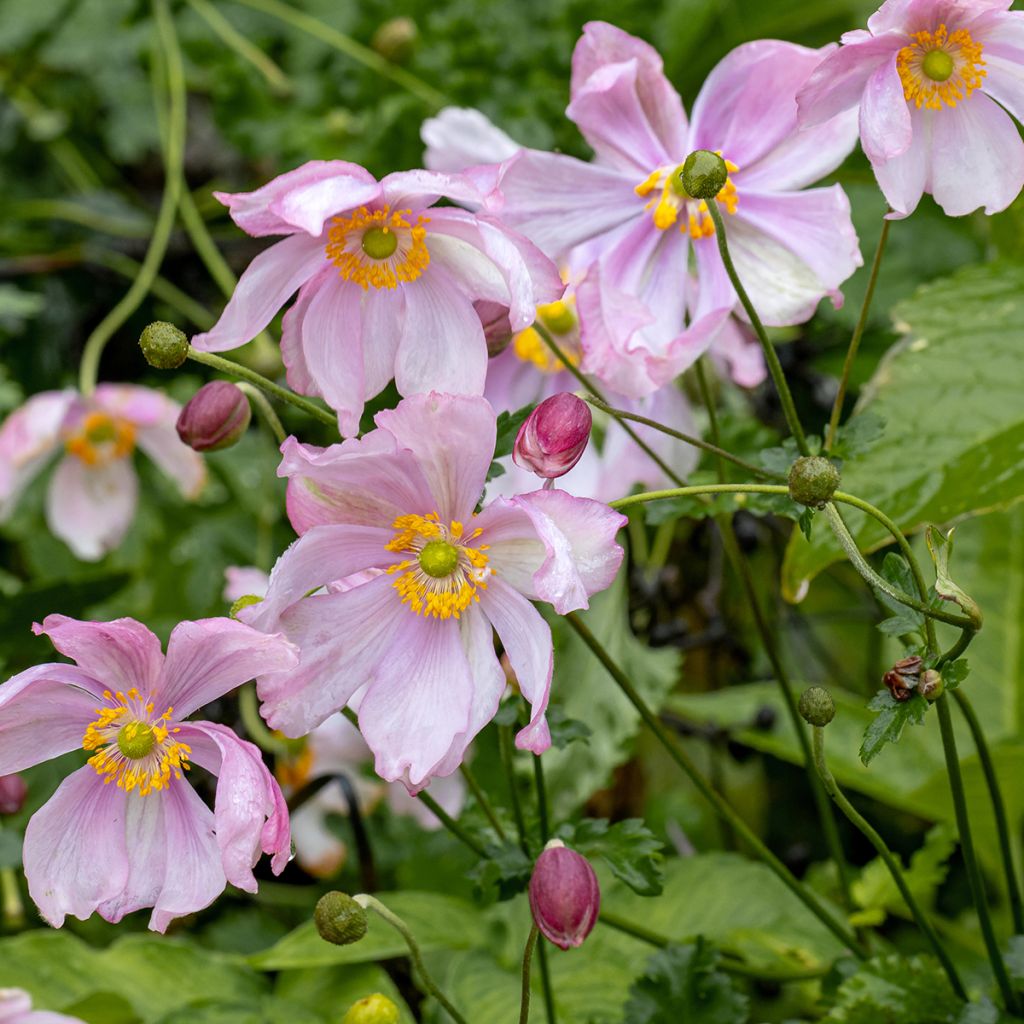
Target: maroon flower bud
(496, 324)
(564, 895)
(13, 791)
(215, 417)
(902, 679)
(553, 437)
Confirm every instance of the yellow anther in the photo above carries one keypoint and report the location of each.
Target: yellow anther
(940, 68)
(379, 247)
(673, 206)
(100, 439)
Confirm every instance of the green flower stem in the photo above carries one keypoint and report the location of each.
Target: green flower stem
(173, 168)
(450, 823)
(524, 999)
(545, 985)
(770, 355)
(858, 331)
(697, 442)
(244, 373)
(248, 710)
(84, 216)
(629, 927)
(348, 46)
(368, 902)
(895, 869)
(712, 411)
(266, 410)
(481, 799)
(956, 785)
(809, 899)
(695, 490)
(12, 909)
(506, 749)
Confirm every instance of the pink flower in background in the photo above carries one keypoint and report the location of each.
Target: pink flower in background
(147, 840)
(16, 1008)
(386, 282)
(931, 79)
(630, 231)
(94, 490)
(418, 636)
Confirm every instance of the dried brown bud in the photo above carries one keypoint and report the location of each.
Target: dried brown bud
(903, 678)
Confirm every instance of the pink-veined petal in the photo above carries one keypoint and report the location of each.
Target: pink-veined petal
(418, 189)
(905, 178)
(885, 126)
(298, 375)
(383, 321)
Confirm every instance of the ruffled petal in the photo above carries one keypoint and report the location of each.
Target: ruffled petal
(452, 438)
(91, 507)
(210, 657)
(250, 815)
(885, 127)
(75, 852)
(303, 199)
(461, 137)
(418, 189)
(265, 286)
(119, 655)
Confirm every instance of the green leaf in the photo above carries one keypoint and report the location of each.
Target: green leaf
(895, 989)
(681, 983)
(504, 872)
(955, 673)
(887, 726)
(330, 991)
(508, 427)
(858, 435)
(629, 848)
(1014, 957)
(566, 730)
(949, 393)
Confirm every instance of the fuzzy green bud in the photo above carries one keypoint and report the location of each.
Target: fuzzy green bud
(704, 174)
(339, 919)
(931, 686)
(164, 345)
(813, 480)
(375, 1009)
(816, 706)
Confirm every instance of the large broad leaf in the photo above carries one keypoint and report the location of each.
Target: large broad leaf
(950, 396)
(896, 990)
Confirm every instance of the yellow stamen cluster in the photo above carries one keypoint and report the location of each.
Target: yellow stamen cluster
(672, 205)
(353, 241)
(929, 80)
(561, 320)
(440, 596)
(294, 772)
(101, 438)
(133, 748)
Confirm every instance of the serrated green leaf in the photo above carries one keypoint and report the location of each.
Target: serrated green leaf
(896, 990)
(858, 435)
(892, 717)
(629, 848)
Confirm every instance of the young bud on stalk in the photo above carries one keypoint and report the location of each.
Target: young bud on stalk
(339, 919)
(375, 1009)
(215, 417)
(931, 686)
(164, 346)
(496, 324)
(554, 436)
(813, 480)
(704, 174)
(564, 895)
(13, 791)
(816, 706)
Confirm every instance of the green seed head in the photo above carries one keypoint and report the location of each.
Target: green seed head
(816, 706)
(439, 558)
(937, 65)
(379, 243)
(703, 174)
(164, 346)
(135, 740)
(813, 480)
(339, 919)
(375, 1009)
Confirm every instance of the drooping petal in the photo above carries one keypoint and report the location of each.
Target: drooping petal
(184, 466)
(210, 657)
(526, 638)
(736, 352)
(75, 852)
(417, 189)
(303, 199)
(885, 126)
(44, 712)
(452, 438)
(119, 655)
(461, 137)
(905, 178)
(91, 507)
(442, 345)
(265, 286)
(1004, 81)
(250, 815)
(27, 439)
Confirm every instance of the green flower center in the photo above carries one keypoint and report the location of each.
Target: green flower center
(558, 317)
(439, 558)
(102, 431)
(379, 243)
(937, 65)
(135, 740)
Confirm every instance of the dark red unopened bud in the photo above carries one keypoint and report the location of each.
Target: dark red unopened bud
(215, 417)
(13, 791)
(903, 677)
(564, 895)
(496, 324)
(554, 436)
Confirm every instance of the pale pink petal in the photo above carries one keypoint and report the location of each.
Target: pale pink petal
(526, 638)
(332, 348)
(121, 654)
(737, 353)
(242, 580)
(75, 852)
(452, 438)
(1002, 35)
(461, 137)
(516, 551)
(211, 657)
(301, 200)
(143, 407)
(44, 712)
(91, 507)
(265, 286)
(1004, 82)
(418, 189)
(27, 439)
(977, 157)
(442, 345)
(184, 466)
(885, 127)
(298, 375)
(250, 815)
(905, 178)
(383, 318)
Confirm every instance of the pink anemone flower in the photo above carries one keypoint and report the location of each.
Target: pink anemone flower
(632, 229)
(16, 1008)
(127, 830)
(94, 490)
(936, 83)
(419, 635)
(386, 282)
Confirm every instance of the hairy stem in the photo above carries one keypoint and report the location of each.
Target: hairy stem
(545, 985)
(506, 748)
(524, 999)
(481, 799)
(266, 410)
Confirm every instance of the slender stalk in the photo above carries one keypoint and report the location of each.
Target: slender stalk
(956, 786)
(809, 899)
(890, 861)
(770, 355)
(367, 867)
(547, 990)
(505, 747)
(12, 909)
(524, 999)
(450, 823)
(248, 709)
(205, 247)
(372, 903)
(481, 799)
(858, 331)
(266, 410)
(712, 411)
(75, 213)
(173, 169)
(348, 46)
(244, 373)
(542, 799)
(695, 490)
